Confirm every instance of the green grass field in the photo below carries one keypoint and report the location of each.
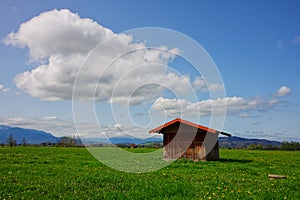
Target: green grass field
(72, 173)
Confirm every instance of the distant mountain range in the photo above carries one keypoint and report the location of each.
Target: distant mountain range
(235, 142)
(33, 136)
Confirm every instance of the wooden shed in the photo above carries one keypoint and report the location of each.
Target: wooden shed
(184, 139)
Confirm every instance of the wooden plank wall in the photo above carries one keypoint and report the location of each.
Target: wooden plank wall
(175, 147)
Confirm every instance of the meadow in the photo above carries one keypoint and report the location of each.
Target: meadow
(72, 173)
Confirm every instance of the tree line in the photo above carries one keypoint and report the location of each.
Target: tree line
(290, 146)
(284, 146)
(72, 141)
(67, 141)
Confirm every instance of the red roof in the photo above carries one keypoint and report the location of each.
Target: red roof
(158, 129)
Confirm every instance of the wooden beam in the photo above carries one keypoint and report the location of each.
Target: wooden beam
(276, 176)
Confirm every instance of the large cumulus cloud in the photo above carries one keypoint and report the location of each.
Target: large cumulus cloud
(59, 42)
(58, 32)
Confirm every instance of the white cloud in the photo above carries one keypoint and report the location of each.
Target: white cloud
(282, 92)
(273, 102)
(60, 127)
(50, 124)
(233, 105)
(53, 125)
(58, 32)
(18, 93)
(118, 126)
(277, 136)
(50, 118)
(200, 84)
(244, 115)
(118, 130)
(296, 39)
(59, 42)
(3, 88)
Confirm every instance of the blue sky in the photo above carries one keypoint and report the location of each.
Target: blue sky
(255, 45)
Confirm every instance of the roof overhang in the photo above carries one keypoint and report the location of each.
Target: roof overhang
(159, 128)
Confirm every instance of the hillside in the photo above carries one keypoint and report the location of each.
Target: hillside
(31, 136)
(236, 142)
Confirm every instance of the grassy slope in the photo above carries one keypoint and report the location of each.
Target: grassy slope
(71, 173)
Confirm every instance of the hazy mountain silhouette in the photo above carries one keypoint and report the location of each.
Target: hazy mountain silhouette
(31, 136)
(244, 142)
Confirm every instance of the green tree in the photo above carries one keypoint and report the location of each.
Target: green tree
(67, 142)
(290, 145)
(251, 146)
(255, 147)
